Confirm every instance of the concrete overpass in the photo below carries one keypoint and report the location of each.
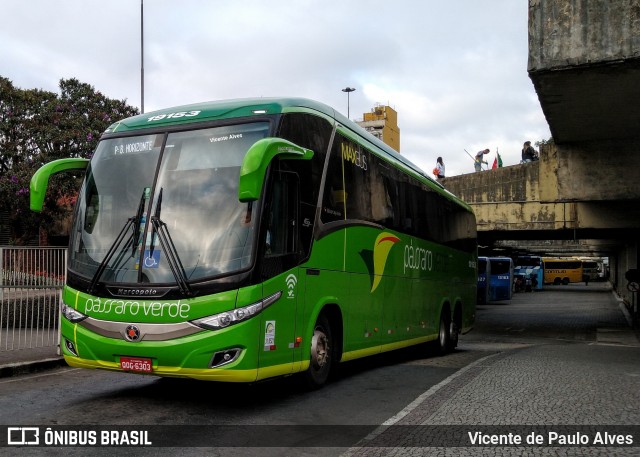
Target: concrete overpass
(584, 62)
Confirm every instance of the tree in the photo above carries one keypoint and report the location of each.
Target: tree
(38, 126)
(543, 142)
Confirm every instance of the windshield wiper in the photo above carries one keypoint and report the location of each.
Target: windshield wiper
(137, 222)
(175, 264)
(133, 239)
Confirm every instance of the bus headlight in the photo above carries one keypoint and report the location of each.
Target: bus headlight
(72, 314)
(222, 320)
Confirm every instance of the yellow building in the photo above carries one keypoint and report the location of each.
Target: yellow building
(382, 122)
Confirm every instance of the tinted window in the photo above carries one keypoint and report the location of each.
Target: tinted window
(311, 132)
(564, 264)
(500, 267)
(362, 186)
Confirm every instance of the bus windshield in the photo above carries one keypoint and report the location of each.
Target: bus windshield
(528, 261)
(500, 267)
(184, 184)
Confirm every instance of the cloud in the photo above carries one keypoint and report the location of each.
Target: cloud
(454, 71)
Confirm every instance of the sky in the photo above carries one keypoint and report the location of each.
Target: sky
(454, 70)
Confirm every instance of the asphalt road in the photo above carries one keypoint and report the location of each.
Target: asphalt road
(363, 394)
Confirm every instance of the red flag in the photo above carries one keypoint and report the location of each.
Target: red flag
(495, 163)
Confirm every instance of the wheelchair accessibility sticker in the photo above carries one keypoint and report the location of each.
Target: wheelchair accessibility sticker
(151, 259)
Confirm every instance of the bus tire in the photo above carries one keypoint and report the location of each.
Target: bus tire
(454, 329)
(321, 353)
(556, 281)
(444, 332)
(565, 281)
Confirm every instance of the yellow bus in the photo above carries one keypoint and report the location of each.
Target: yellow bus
(562, 271)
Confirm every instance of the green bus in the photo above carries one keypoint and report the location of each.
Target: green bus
(247, 239)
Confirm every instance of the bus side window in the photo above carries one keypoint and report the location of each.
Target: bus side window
(280, 236)
(311, 132)
(281, 231)
(382, 193)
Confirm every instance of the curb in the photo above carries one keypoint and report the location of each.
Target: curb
(15, 369)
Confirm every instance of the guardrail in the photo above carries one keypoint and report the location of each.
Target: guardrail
(31, 280)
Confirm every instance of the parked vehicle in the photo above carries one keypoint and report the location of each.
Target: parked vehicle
(501, 278)
(528, 273)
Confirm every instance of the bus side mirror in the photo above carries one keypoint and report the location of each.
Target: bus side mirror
(257, 160)
(40, 180)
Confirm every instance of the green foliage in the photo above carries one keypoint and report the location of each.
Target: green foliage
(543, 142)
(38, 126)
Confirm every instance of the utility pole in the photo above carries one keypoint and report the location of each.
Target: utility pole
(142, 56)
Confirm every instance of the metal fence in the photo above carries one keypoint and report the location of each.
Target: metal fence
(31, 280)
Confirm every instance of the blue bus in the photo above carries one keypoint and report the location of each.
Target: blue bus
(500, 278)
(528, 273)
(484, 271)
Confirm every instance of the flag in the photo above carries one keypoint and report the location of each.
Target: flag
(497, 162)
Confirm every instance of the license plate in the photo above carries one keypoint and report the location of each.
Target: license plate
(136, 364)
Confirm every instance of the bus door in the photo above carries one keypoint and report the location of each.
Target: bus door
(278, 259)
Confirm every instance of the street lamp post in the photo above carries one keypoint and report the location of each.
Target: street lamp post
(348, 90)
(142, 56)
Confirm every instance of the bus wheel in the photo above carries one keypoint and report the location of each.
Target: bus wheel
(444, 332)
(454, 332)
(556, 281)
(321, 353)
(565, 281)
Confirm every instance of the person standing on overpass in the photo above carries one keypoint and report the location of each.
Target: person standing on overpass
(479, 159)
(439, 169)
